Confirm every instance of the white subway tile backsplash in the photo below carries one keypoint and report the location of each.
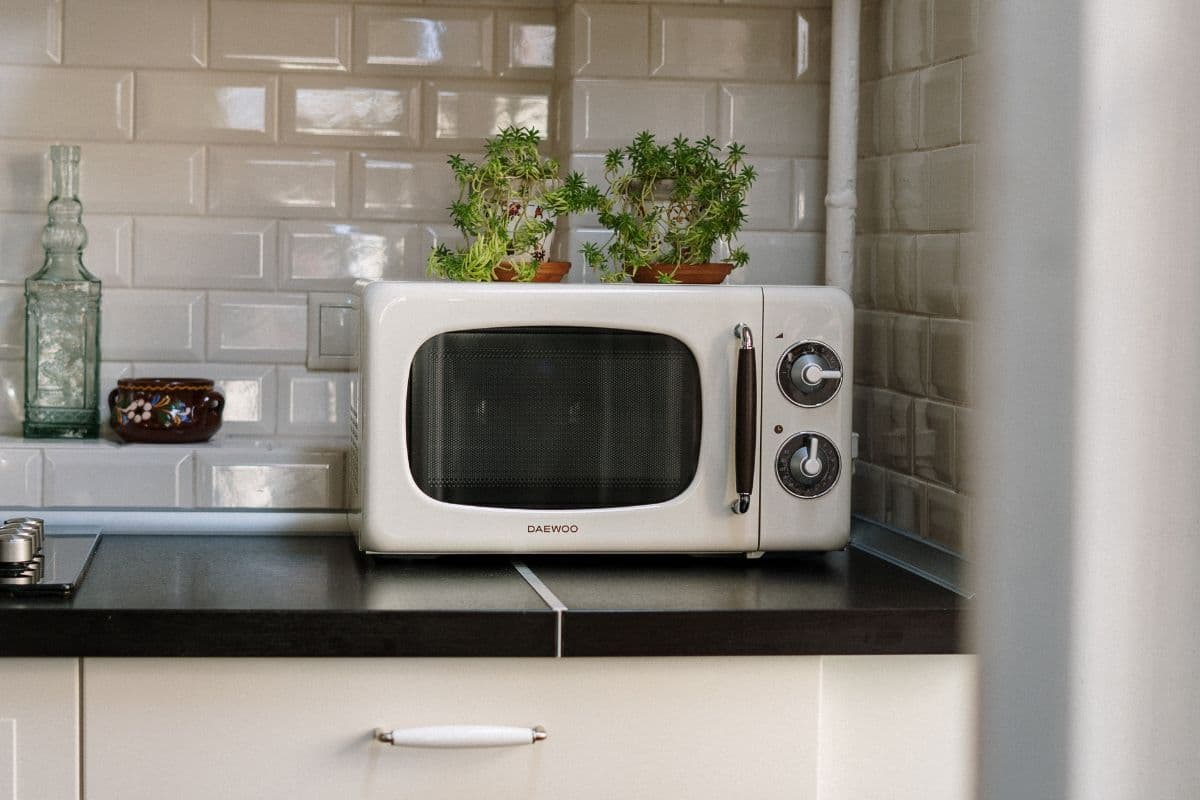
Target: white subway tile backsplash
(910, 191)
(232, 478)
(972, 102)
(26, 171)
(331, 255)
(898, 112)
(769, 202)
(776, 119)
(21, 250)
(810, 175)
(142, 178)
(278, 182)
(12, 322)
(143, 325)
(941, 105)
(95, 104)
(610, 113)
(910, 34)
(782, 258)
(402, 186)
(12, 397)
(380, 112)
(205, 107)
(814, 43)
(314, 403)
(610, 40)
(258, 327)
(950, 360)
(463, 113)
(955, 25)
(697, 42)
(952, 188)
(937, 274)
(136, 33)
(442, 41)
(107, 255)
(205, 253)
(249, 391)
(933, 441)
(525, 41)
(161, 477)
(909, 359)
(32, 32)
(874, 195)
(286, 36)
(20, 476)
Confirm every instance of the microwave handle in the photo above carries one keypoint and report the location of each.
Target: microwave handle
(745, 437)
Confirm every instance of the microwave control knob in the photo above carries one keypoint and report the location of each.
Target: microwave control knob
(807, 465)
(810, 374)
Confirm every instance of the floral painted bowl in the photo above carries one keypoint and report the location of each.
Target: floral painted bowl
(165, 410)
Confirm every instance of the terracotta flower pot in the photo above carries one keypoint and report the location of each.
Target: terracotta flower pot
(684, 273)
(547, 272)
(165, 410)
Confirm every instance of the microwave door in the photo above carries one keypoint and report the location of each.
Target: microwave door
(565, 419)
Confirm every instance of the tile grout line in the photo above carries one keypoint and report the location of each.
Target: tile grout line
(549, 598)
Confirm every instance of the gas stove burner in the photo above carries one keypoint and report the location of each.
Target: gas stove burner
(37, 561)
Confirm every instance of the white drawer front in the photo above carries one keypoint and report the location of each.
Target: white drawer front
(632, 728)
(39, 729)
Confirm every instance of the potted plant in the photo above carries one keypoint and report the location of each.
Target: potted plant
(506, 210)
(668, 206)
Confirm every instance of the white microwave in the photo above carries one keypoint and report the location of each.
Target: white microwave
(538, 418)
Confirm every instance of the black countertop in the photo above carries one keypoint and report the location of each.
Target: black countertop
(211, 595)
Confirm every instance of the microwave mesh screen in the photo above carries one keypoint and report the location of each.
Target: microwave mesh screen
(553, 417)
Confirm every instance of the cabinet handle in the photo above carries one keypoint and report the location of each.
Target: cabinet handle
(457, 736)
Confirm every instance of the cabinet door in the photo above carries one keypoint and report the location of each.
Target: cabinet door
(39, 728)
(900, 727)
(303, 728)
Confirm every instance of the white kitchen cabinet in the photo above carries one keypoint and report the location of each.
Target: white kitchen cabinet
(302, 728)
(39, 728)
(897, 728)
(803, 728)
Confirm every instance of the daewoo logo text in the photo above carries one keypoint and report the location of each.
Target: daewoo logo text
(552, 528)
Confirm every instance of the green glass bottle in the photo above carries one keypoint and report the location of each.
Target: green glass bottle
(62, 319)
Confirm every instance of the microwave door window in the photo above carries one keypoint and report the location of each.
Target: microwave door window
(553, 418)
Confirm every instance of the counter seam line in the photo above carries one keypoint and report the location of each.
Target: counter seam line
(549, 598)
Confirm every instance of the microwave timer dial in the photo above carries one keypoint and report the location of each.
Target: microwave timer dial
(808, 465)
(809, 374)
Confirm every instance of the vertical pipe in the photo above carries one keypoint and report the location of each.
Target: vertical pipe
(1023, 439)
(841, 196)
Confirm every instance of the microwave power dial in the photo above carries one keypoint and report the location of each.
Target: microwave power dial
(809, 374)
(808, 465)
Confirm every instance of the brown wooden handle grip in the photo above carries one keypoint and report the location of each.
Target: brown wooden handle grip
(745, 441)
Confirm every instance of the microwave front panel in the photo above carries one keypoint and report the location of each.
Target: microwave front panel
(537, 419)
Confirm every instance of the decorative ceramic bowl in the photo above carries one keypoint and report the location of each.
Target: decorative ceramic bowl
(165, 410)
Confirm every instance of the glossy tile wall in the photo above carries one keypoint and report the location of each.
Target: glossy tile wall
(752, 72)
(240, 159)
(917, 182)
(243, 158)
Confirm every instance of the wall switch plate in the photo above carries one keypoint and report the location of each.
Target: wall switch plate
(333, 331)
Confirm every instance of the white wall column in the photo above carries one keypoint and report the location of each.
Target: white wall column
(1089, 369)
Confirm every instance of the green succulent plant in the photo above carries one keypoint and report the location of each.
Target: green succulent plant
(507, 207)
(670, 204)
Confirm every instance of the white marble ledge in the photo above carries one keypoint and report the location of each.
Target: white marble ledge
(227, 473)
